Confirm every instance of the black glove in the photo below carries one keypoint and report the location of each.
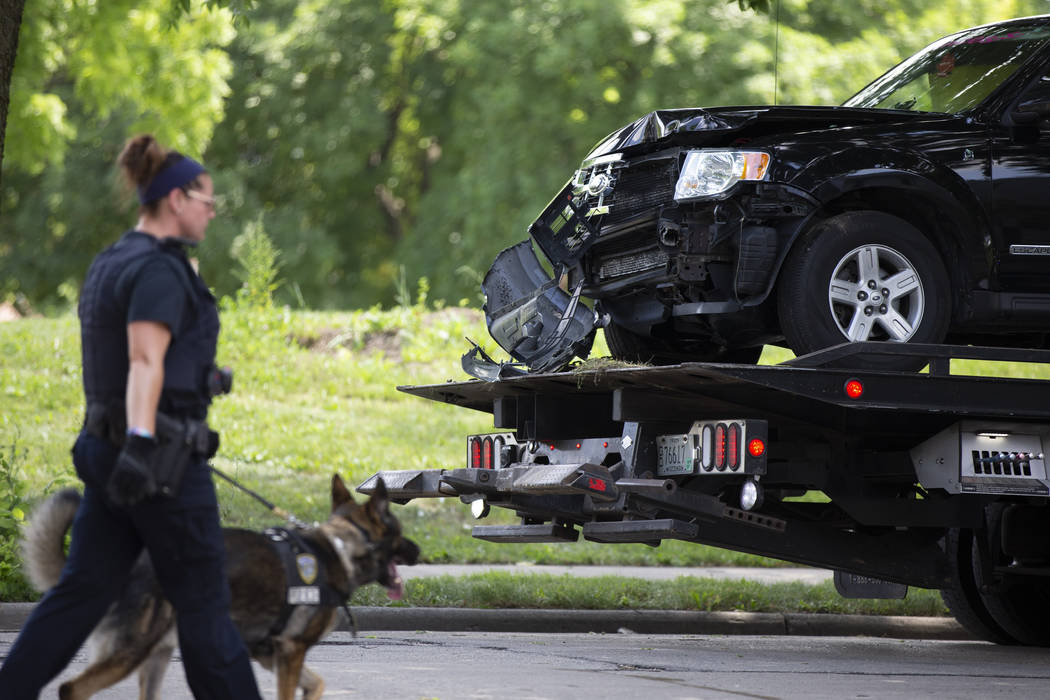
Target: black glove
(213, 444)
(132, 479)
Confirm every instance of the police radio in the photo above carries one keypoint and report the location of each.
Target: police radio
(219, 380)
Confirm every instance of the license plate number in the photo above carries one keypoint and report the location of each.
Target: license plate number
(674, 454)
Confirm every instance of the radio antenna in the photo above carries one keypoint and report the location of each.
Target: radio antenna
(776, 55)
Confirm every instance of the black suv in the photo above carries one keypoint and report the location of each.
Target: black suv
(914, 212)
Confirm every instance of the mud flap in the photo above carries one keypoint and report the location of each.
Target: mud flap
(856, 586)
(530, 317)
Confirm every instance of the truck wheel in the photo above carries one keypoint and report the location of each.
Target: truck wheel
(864, 275)
(1022, 609)
(963, 598)
(630, 347)
(1020, 605)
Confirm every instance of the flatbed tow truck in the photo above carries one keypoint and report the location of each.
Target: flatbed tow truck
(935, 480)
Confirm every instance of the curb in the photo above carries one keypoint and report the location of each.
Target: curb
(14, 615)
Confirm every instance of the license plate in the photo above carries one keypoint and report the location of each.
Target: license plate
(675, 454)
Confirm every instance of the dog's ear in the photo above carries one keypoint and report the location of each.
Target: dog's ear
(379, 503)
(340, 494)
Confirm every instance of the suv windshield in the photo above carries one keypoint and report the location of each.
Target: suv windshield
(956, 73)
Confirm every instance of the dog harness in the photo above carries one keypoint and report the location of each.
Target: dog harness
(306, 580)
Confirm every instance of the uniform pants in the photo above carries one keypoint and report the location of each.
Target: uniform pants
(184, 540)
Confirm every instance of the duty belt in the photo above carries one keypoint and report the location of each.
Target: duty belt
(109, 422)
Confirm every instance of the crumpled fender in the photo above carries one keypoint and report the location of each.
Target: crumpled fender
(538, 323)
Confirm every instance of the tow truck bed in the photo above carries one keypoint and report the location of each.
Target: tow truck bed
(936, 480)
(805, 390)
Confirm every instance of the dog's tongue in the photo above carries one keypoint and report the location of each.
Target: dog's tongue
(397, 587)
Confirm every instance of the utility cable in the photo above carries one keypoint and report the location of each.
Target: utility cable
(776, 55)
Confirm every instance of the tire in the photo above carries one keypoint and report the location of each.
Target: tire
(838, 285)
(963, 598)
(1020, 605)
(628, 346)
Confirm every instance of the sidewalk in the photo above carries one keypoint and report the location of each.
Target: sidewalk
(653, 573)
(13, 615)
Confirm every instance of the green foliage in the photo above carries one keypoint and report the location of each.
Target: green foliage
(13, 503)
(115, 57)
(42, 395)
(87, 76)
(14, 506)
(417, 133)
(240, 9)
(756, 5)
(258, 264)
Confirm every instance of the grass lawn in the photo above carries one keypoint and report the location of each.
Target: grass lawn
(315, 393)
(498, 589)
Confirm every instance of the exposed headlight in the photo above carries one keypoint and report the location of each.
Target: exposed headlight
(709, 172)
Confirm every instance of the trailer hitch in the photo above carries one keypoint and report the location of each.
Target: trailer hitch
(532, 479)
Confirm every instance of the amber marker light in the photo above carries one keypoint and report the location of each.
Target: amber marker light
(755, 166)
(854, 388)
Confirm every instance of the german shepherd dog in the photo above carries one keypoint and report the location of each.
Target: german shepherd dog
(364, 543)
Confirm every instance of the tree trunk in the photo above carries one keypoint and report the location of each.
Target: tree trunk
(10, 23)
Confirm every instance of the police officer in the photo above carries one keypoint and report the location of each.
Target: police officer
(149, 327)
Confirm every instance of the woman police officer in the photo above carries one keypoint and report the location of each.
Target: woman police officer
(149, 327)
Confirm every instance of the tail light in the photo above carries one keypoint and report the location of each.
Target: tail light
(727, 446)
(720, 447)
(486, 453)
(493, 451)
(733, 446)
(707, 448)
(854, 388)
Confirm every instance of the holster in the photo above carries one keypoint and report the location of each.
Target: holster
(180, 441)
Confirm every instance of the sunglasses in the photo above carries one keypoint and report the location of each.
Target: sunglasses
(208, 201)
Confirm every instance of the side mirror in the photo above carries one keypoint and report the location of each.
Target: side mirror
(1040, 107)
(1031, 112)
(1026, 118)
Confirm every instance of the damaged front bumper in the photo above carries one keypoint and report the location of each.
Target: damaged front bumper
(530, 316)
(615, 234)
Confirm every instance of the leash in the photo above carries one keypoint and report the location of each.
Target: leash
(275, 509)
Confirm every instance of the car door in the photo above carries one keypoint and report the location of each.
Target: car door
(1021, 191)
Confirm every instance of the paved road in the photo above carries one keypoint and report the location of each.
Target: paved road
(479, 666)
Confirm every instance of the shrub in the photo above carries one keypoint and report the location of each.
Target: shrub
(14, 505)
(13, 508)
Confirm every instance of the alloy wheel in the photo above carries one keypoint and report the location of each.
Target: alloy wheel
(875, 293)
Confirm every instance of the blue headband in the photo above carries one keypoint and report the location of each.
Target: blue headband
(179, 174)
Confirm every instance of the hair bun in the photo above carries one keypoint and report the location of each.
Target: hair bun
(141, 159)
